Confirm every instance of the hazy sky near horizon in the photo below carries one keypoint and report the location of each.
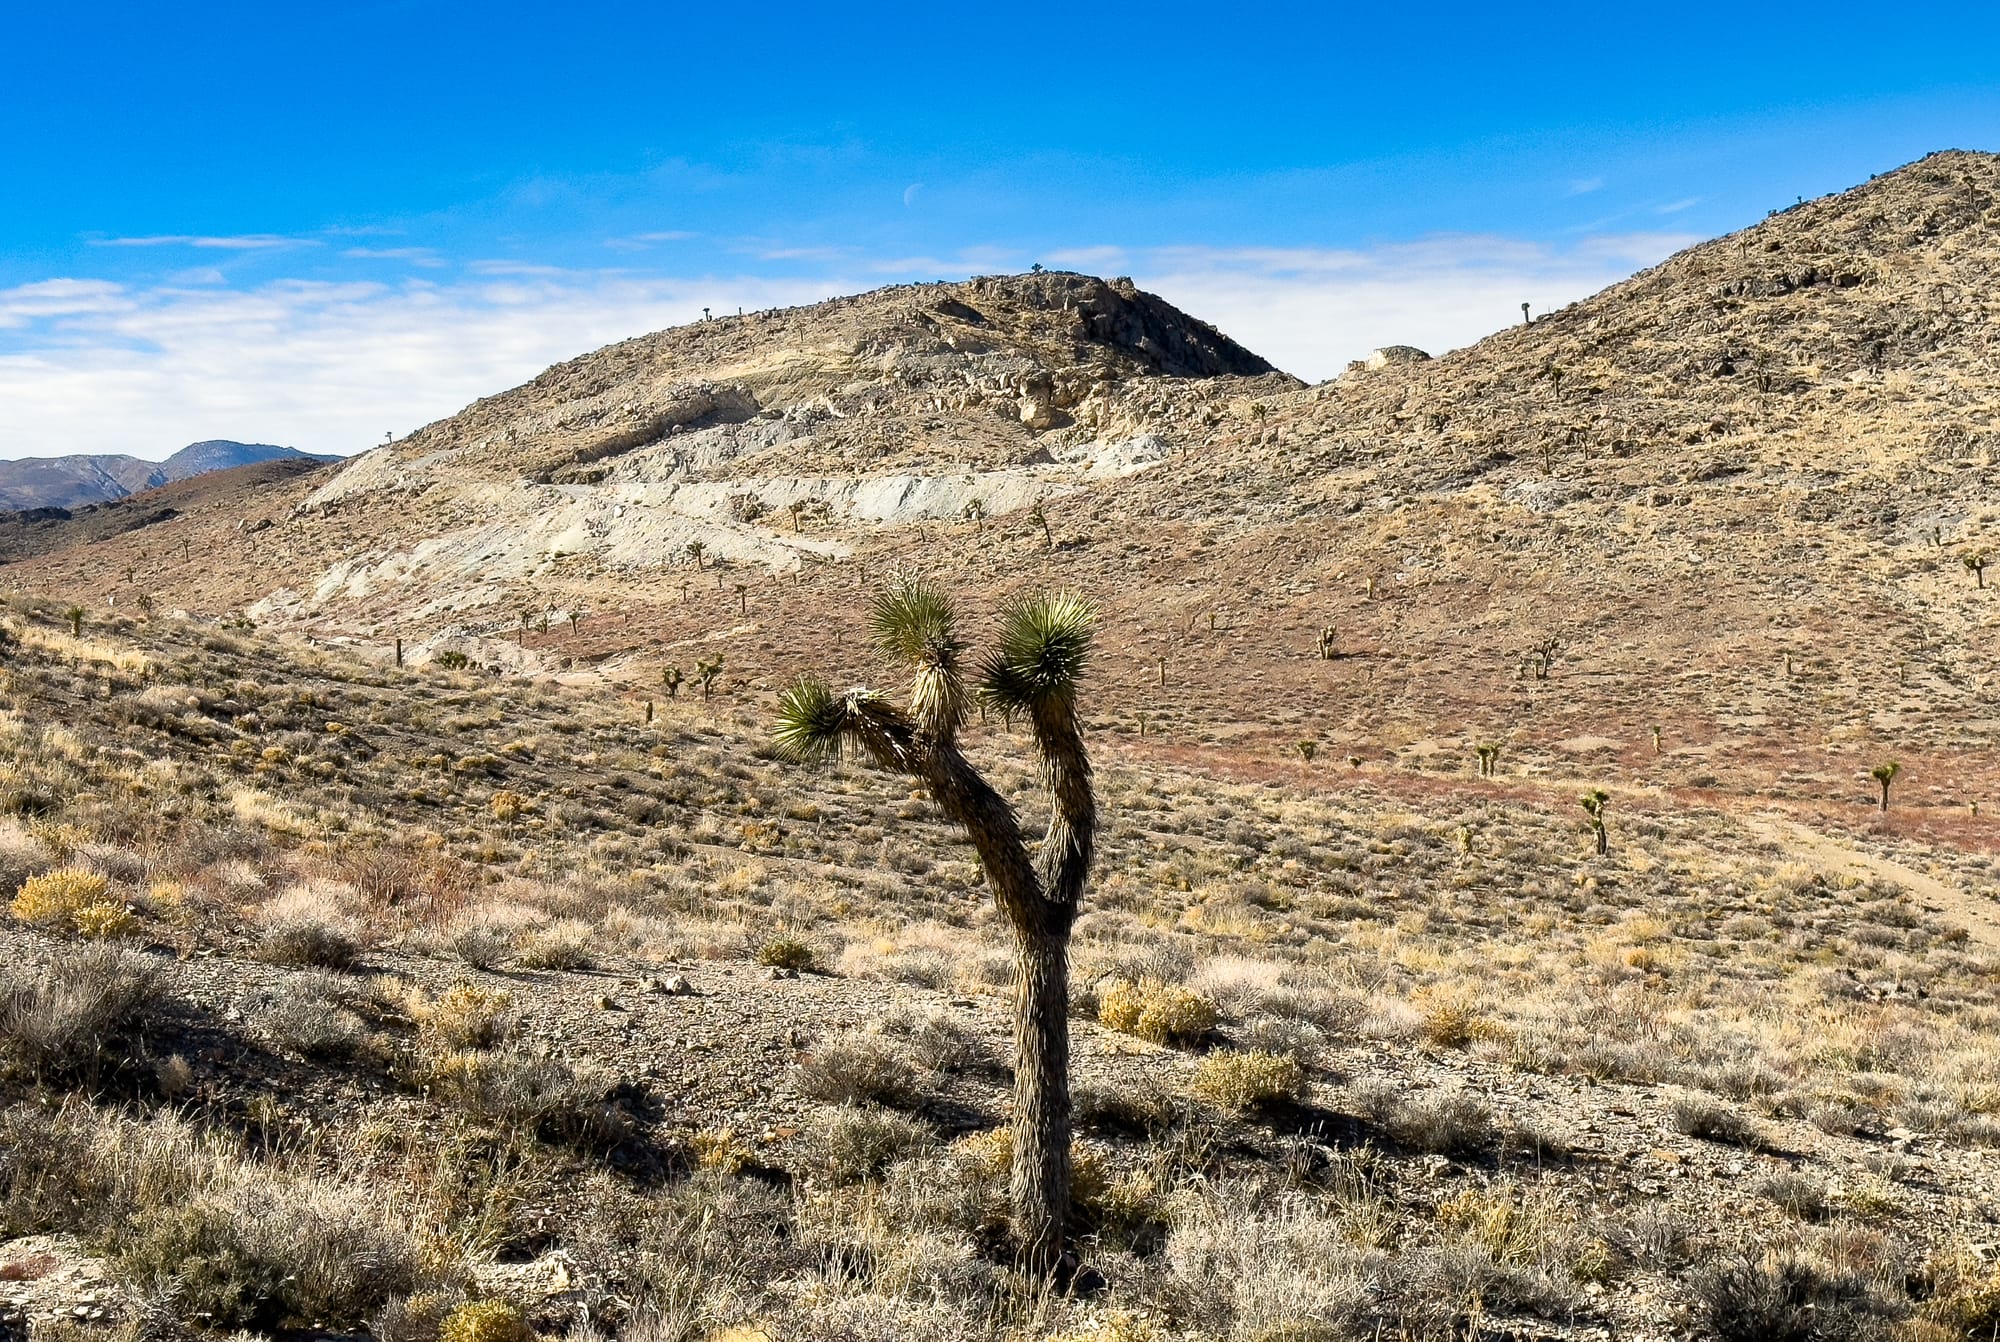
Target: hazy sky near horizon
(312, 225)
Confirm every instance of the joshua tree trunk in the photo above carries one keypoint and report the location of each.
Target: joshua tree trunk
(1033, 672)
(1603, 840)
(1885, 794)
(1041, 1098)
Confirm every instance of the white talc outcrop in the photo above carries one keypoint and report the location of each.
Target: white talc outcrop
(634, 525)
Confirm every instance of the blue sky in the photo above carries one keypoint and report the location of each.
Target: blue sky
(314, 224)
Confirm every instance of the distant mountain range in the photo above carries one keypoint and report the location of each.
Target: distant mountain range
(74, 482)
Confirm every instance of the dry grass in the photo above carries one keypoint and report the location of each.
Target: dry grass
(1417, 967)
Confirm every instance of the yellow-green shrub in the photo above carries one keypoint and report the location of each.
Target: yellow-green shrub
(1164, 1013)
(56, 897)
(466, 1017)
(485, 1321)
(782, 952)
(105, 920)
(1236, 1081)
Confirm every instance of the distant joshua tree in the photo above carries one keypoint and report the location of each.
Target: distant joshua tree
(705, 673)
(1542, 657)
(1326, 643)
(673, 678)
(1656, 740)
(1040, 517)
(1489, 759)
(1033, 672)
(1594, 803)
(695, 550)
(1885, 774)
(1307, 749)
(75, 617)
(575, 620)
(1975, 564)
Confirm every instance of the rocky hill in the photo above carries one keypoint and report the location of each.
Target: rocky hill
(34, 483)
(1734, 498)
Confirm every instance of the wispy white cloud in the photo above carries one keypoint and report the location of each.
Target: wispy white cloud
(58, 298)
(1676, 206)
(416, 256)
(639, 242)
(769, 253)
(1583, 186)
(242, 242)
(92, 366)
(526, 269)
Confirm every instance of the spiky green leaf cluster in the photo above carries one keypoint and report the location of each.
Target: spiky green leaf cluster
(916, 624)
(812, 721)
(1044, 646)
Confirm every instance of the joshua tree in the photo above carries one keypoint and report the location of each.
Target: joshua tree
(75, 617)
(575, 619)
(1656, 740)
(1593, 806)
(146, 604)
(526, 619)
(1885, 774)
(1354, 761)
(1489, 759)
(798, 509)
(1526, 320)
(1975, 564)
(1307, 749)
(705, 673)
(1542, 656)
(673, 678)
(1040, 517)
(1032, 672)
(1326, 636)
(695, 550)
(975, 513)
(742, 598)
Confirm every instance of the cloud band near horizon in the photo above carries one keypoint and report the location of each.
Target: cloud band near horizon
(93, 365)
